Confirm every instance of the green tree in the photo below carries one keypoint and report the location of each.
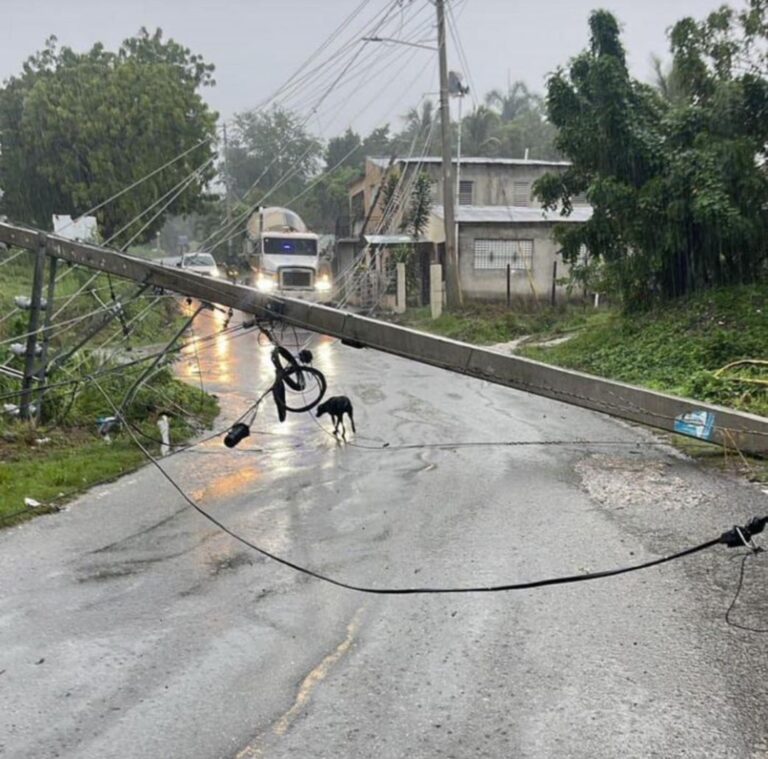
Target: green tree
(417, 216)
(77, 128)
(421, 133)
(509, 125)
(344, 150)
(679, 196)
(515, 102)
(389, 200)
(378, 143)
(480, 132)
(667, 82)
(326, 206)
(271, 156)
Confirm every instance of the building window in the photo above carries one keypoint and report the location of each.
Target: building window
(465, 192)
(496, 254)
(521, 194)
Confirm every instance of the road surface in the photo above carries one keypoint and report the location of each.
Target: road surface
(132, 627)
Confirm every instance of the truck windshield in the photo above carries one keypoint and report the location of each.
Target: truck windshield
(287, 246)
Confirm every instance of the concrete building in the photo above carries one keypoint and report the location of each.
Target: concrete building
(492, 238)
(499, 221)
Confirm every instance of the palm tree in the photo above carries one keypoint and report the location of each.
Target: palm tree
(417, 129)
(668, 83)
(479, 132)
(517, 101)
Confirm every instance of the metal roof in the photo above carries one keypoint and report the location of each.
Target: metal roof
(514, 214)
(388, 239)
(469, 160)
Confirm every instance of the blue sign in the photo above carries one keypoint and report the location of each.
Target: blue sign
(698, 424)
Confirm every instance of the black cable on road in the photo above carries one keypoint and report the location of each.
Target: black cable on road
(734, 537)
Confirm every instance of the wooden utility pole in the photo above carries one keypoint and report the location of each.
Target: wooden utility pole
(452, 282)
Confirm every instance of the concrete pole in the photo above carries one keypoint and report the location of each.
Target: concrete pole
(41, 375)
(400, 300)
(227, 197)
(165, 434)
(436, 289)
(32, 327)
(554, 283)
(453, 285)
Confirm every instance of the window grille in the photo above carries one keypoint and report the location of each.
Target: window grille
(496, 254)
(521, 194)
(465, 192)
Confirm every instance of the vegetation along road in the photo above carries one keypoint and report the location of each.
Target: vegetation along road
(133, 627)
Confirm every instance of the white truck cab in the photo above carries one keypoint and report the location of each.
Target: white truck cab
(284, 256)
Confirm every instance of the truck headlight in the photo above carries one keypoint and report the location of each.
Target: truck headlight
(265, 283)
(323, 284)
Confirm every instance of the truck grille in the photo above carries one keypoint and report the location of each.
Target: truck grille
(297, 278)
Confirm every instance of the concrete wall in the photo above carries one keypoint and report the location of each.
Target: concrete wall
(491, 284)
(493, 185)
(368, 184)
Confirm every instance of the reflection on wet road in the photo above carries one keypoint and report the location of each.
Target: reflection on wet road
(132, 627)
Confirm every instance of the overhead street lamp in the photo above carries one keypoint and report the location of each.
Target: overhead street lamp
(398, 42)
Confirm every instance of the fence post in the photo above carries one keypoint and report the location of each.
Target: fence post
(509, 285)
(400, 298)
(436, 289)
(554, 281)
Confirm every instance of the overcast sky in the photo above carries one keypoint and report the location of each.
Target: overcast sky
(257, 44)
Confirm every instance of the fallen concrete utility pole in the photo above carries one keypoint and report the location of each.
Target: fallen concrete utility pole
(715, 424)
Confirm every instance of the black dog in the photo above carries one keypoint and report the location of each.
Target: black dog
(337, 406)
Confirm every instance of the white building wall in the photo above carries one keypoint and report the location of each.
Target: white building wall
(491, 284)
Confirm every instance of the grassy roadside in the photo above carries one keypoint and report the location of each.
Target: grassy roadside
(54, 461)
(490, 323)
(680, 349)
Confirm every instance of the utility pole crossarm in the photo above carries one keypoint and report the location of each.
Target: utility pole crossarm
(747, 432)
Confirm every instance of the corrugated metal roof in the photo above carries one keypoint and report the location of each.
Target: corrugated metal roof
(469, 160)
(388, 239)
(514, 214)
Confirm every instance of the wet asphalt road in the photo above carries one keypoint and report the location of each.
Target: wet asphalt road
(131, 627)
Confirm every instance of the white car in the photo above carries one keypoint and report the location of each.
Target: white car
(199, 263)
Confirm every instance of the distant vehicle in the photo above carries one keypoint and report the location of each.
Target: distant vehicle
(284, 256)
(199, 263)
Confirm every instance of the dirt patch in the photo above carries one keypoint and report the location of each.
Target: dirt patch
(621, 483)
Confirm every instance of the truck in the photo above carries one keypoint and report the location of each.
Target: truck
(284, 256)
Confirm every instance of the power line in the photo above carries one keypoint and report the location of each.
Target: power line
(529, 585)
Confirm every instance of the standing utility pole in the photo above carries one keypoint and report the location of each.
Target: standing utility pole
(227, 197)
(453, 286)
(25, 403)
(46, 334)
